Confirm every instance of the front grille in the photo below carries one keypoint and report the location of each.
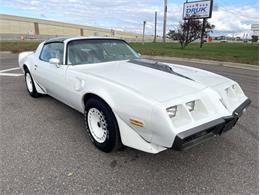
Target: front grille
(213, 130)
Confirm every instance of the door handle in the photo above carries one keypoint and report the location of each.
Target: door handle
(35, 65)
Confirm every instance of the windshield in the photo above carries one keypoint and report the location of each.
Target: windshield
(89, 51)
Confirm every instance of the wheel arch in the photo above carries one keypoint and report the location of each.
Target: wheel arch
(39, 89)
(25, 67)
(89, 95)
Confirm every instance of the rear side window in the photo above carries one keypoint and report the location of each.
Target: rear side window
(52, 50)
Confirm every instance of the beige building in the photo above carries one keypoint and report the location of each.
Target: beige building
(14, 27)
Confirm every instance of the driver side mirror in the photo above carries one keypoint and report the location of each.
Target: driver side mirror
(55, 61)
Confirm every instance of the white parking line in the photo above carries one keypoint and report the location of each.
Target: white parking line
(3, 72)
(10, 74)
(10, 69)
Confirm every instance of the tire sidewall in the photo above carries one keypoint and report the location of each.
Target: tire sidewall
(34, 93)
(112, 128)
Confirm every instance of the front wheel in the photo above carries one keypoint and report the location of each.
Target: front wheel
(30, 84)
(101, 125)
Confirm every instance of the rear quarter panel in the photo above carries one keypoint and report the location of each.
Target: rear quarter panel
(29, 58)
(25, 58)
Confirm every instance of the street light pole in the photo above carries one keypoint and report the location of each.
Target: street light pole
(164, 21)
(155, 27)
(144, 30)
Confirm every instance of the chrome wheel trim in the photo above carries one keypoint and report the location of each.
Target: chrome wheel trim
(97, 125)
(29, 83)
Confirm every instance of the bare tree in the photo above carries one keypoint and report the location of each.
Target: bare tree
(173, 35)
(255, 38)
(189, 31)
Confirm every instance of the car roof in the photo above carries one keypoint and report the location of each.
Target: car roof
(66, 39)
(56, 39)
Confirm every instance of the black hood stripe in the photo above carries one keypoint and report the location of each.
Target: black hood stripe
(157, 66)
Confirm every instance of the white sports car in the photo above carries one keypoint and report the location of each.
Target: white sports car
(126, 100)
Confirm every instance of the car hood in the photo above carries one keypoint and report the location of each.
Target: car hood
(159, 81)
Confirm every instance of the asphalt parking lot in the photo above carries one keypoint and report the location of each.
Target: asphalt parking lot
(45, 151)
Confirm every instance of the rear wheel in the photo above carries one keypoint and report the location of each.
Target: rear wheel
(30, 84)
(101, 125)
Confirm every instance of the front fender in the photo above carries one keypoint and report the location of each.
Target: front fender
(126, 104)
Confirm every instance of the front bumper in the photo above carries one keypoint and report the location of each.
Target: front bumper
(201, 133)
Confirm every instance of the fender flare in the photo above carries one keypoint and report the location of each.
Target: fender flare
(101, 95)
(38, 88)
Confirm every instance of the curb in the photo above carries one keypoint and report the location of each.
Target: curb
(206, 62)
(5, 52)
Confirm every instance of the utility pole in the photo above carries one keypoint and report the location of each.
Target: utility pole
(164, 21)
(155, 27)
(188, 26)
(144, 31)
(203, 29)
(203, 32)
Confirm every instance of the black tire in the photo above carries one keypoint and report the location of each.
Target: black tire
(33, 92)
(112, 141)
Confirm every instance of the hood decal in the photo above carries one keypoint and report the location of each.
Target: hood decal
(158, 66)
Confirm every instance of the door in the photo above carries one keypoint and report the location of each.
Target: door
(52, 76)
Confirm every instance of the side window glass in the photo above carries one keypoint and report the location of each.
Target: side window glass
(52, 50)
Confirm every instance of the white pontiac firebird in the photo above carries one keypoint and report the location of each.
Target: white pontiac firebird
(126, 100)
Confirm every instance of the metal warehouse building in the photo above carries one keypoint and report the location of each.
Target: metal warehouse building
(15, 27)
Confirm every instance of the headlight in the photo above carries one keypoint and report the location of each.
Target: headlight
(190, 105)
(172, 111)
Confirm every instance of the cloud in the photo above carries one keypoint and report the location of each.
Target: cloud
(234, 20)
(129, 15)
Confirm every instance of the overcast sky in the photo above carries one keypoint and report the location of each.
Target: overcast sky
(231, 17)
